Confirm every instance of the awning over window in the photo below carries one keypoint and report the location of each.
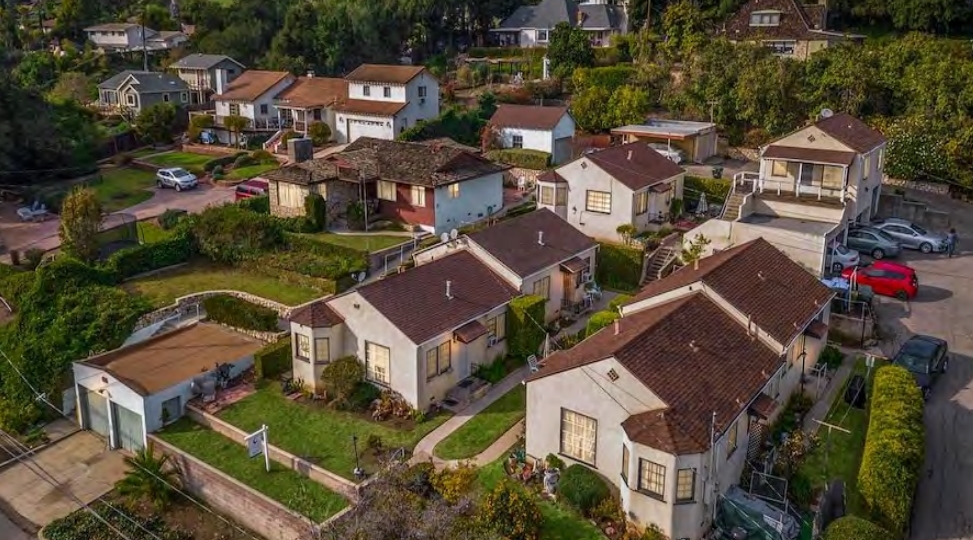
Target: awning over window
(763, 407)
(661, 187)
(574, 265)
(816, 329)
(470, 331)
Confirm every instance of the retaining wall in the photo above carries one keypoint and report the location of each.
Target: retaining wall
(186, 304)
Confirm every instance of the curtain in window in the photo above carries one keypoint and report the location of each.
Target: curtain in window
(578, 436)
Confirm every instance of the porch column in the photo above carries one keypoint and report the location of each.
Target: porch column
(280, 125)
(844, 184)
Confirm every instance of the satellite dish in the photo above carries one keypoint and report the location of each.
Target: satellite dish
(827, 113)
(453, 234)
(444, 237)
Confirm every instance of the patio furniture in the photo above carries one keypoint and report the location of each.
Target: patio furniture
(533, 363)
(35, 212)
(594, 290)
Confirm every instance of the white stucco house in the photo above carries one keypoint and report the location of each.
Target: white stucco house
(669, 402)
(600, 191)
(533, 127)
(125, 394)
(384, 100)
(811, 185)
(251, 95)
(132, 36)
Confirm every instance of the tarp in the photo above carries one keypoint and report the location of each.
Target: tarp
(761, 520)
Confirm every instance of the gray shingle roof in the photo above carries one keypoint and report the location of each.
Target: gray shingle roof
(147, 82)
(202, 61)
(549, 13)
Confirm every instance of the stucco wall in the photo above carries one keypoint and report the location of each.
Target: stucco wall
(533, 139)
(478, 199)
(582, 176)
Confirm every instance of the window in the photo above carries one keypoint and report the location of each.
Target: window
(422, 91)
(322, 350)
(652, 479)
(183, 97)
(263, 108)
(547, 195)
(290, 195)
(685, 485)
(438, 361)
(561, 196)
(316, 115)
(497, 326)
(130, 99)
(641, 203)
(418, 196)
(833, 177)
(625, 458)
(234, 109)
(542, 287)
(366, 90)
(782, 48)
(377, 363)
(598, 201)
(454, 191)
(302, 344)
(578, 436)
(387, 91)
(542, 35)
(518, 141)
(731, 439)
(165, 97)
(764, 19)
(171, 410)
(386, 190)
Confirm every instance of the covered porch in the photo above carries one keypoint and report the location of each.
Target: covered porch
(299, 119)
(803, 172)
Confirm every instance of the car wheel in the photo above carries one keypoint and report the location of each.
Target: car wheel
(837, 267)
(158, 184)
(902, 295)
(178, 187)
(926, 247)
(878, 254)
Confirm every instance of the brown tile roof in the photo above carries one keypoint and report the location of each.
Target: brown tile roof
(636, 165)
(794, 22)
(446, 141)
(470, 331)
(851, 132)
(111, 27)
(551, 176)
(384, 73)
(252, 84)
(415, 301)
(690, 353)
(817, 15)
(414, 163)
(373, 108)
(168, 359)
(317, 314)
(514, 242)
(314, 92)
(527, 116)
(760, 281)
(817, 155)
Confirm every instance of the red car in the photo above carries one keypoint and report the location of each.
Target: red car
(251, 188)
(886, 278)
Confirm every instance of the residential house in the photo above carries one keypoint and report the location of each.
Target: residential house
(545, 129)
(310, 99)
(206, 74)
(602, 190)
(697, 141)
(790, 28)
(537, 253)
(531, 25)
(133, 91)
(132, 36)
(435, 188)
(812, 183)
(384, 100)
(419, 333)
(670, 401)
(252, 95)
(125, 394)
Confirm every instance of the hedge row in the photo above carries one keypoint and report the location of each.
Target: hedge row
(143, 258)
(600, 320)
(224, 161)
(273, 360)
(239, 313)
(854, 528)
(521, 157)
(716, 189)
(525, 315)
(14, 284)
(260, 205)
(619, 267)
(894, 443)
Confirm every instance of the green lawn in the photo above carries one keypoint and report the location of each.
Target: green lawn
(246, 173)
(189, 161)
(124, 187)
(479, 433)
(285, 486)
(142, 152)
(162, 289)
(361, 242)
(317, 434)
(150, 233)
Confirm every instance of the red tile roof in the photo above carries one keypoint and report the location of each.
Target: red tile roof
(317, 314)
(851, 132)
(636, 165)
(527, 116)
(384, 73)
(252, 84)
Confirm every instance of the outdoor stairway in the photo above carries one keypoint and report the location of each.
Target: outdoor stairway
(659, 262)
(731, 210)
(273, 143)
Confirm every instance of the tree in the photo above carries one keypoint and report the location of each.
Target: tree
(80, 223)
(693, 252)
(150, 477)
(589, 108)
(319, 132)
(156, 122)
(236, 124)
(628, 105)
(73, 86)
(568, 50)
(683, 27)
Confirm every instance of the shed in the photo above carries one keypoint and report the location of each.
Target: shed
(698, 140)
(129, 392)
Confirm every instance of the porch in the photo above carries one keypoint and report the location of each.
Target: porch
(257, 124)
(806, 188)
(298, 119)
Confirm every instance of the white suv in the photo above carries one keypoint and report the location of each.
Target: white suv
(178, 179)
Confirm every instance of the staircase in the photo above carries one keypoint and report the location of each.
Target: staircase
(273, 142)
(658, 263)
(731, 209)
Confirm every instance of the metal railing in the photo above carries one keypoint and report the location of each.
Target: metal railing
(754, 183)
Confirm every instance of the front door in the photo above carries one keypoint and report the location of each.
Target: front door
(807, 178)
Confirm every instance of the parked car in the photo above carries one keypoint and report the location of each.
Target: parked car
(840, 257)
(251, 188)
(926, 357)
(672, 154)
(875, 242)
(178, 179)
(886, 278)
(912, 236)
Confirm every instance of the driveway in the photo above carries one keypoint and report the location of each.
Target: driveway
(22, 236)
(943, 308)
(9, 531)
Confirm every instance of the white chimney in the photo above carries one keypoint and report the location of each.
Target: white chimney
(617, 328)
(540, 238)
(221, 81)
(630, 155)
(449, 291)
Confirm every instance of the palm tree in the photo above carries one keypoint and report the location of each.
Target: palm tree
(150, 477)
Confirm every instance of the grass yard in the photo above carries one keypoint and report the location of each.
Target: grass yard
(285, 486)
(479, 433)
(150, 232)
(361, 242)
(122, 188)
(189, 161)
(320, 435)
(246, 173)
(142, 152)
(162, 289)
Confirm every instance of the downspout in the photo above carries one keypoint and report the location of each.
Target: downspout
(714, 476)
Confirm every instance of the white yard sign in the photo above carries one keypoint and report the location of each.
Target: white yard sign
(257, 444)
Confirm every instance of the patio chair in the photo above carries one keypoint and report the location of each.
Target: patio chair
(533, 364)
(594, 290)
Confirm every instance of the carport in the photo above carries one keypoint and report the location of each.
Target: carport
(698, 140)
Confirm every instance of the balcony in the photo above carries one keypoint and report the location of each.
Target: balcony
(259, 124)
(805, 192)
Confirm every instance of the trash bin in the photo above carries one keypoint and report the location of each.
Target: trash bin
(855, 394)
(717, 172)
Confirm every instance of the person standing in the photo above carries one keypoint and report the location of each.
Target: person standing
(951, 239)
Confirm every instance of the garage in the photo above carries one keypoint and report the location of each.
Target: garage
(128, 428)
(94, 412)
(697, 141)
(359, 127)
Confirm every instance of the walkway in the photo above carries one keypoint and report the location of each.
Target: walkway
(819, 412)
(423, 451)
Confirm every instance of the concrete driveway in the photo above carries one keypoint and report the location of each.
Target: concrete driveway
(943, 308)
(9, 531)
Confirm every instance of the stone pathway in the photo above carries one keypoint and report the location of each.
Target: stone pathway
(821, 407)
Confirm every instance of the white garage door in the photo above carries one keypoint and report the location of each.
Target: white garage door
(94, 412)
(128, 428)
(367, 128)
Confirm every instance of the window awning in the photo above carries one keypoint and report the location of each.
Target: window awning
(574, 265)
(470, 331)
(661, 187)
(763, 407)
(816, 329)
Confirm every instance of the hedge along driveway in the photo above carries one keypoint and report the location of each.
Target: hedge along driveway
(483, 429)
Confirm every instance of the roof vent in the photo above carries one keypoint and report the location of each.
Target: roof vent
(693, 346)
(612, 375)
(617, 328)
(540, 238)
(761, 276)
(630, 155)
(449, 289)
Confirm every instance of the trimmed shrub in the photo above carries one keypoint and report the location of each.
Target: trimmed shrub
(218, 170)
(273, 360)
(609, 78)
(583, 488)
(511, 512)
(894, 443)
(223, 161)
(855, 528)
(239, 313)
(260, 205)
(525, 333)
(619, 267)
(600, 320)
(229, 234)
(244, 160)
(263, 156)
(319, 132)
(170, 218)
(316, 210)
(143, 258)
(521, 157)
(341, 379)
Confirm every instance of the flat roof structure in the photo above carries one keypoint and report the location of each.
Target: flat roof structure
(817, 228)
(673, 129)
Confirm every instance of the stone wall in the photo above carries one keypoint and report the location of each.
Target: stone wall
(928, 187)
(186, 305)
(340, 195)
(891, 205)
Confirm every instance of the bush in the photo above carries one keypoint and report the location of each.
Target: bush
(716, 190)
(170, 218)
(223, 161)
(583, 488)
(263, 156)
(855, 528)
(893, 454)
(316, 210)
(363, 396)
(616, 304)
(832, 357)
(32, 258)
(230, 234)
(554, 462)
(218, 170)
(260, 205)
(273, 360)
(143, 258)
(619, 267)
(600, 320)
(521, 157)
(122, 159)
(239, 313)
(244, 160)
(511, 512)
(452, 483)
(15, 284)
(341, 379)
(319, 132)
(525, 315)
(610, 78)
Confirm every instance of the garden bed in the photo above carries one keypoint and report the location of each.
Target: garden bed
(482, 430)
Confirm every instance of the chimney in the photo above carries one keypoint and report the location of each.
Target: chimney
(449, 291)
(630, 155)
(310, 74)
(696, 263)
(540, 238)
(617, 328)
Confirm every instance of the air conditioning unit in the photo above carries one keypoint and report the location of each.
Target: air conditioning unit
(491, 340)
(586, 277)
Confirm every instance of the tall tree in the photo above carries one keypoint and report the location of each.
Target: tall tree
(155, 123)
(80, 223)
(568, 50)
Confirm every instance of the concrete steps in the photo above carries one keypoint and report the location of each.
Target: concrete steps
(731, 212)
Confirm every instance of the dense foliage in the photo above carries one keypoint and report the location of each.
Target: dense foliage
(341, 378)
(619, 267)
(238, 313)
(458, 123)
(569, 49)
(80, 223)
(599, 320)
(273, 359)
(512, 512)
(82, 525)
(156, 123)
(855, 528)
(143, 258)
(583, 488)
(525, 330)
(521, 157)
(316, 211)
(229, 234)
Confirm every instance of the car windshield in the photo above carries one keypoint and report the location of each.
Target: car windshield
(842, 249)
(885, 236)
(179, 173)
(919, 229)
(913, 362)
